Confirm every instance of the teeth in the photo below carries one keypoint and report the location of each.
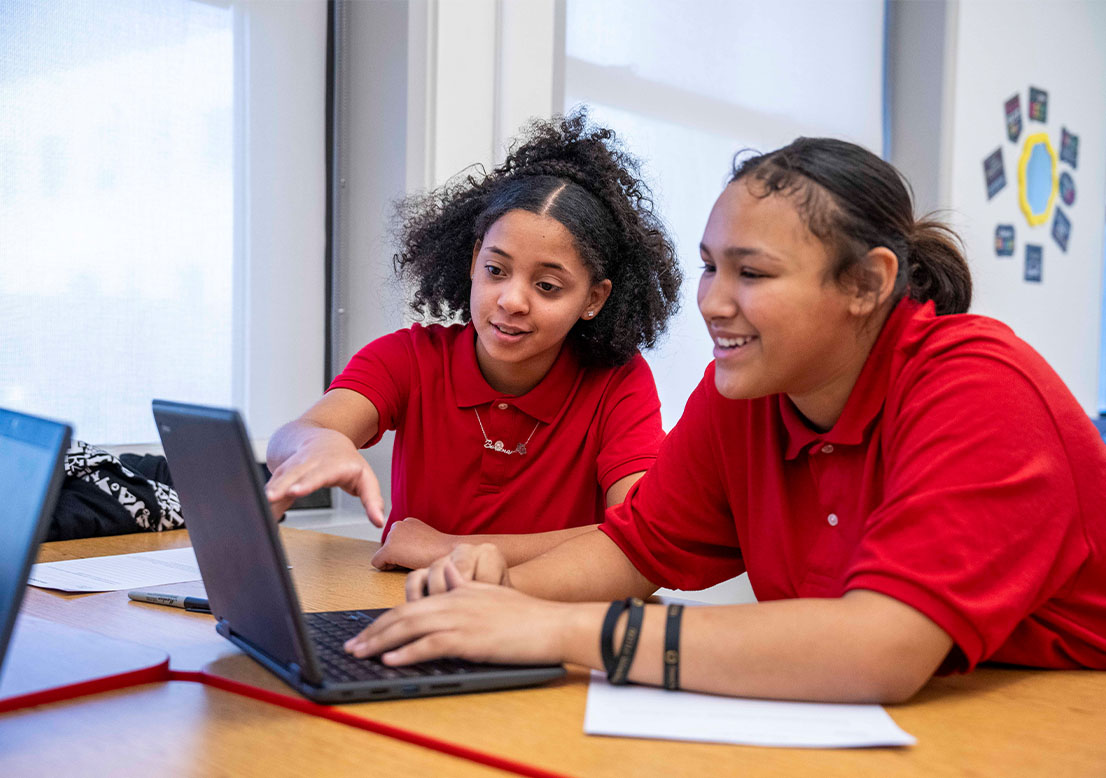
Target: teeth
(733, 342)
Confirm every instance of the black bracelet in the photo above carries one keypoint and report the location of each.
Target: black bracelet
(672, 647)
(606, 635)
(629, 642)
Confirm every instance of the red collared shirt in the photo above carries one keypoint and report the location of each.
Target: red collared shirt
(584, 428)
(962, 479)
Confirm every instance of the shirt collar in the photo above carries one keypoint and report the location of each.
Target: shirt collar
(865, 401)
(542, 403)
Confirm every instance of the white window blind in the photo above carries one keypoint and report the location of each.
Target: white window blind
(137, 163)
(116, 199)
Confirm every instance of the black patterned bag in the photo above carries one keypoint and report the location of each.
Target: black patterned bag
(107, 495)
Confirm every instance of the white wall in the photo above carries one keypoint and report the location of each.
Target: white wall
(430, 88)
(281, 229)
(999, 49)
(488, 67)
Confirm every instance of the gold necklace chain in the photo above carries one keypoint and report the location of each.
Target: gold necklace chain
(520, 449)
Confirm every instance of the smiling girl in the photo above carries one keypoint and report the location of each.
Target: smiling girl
(536, 412)
(910, 488)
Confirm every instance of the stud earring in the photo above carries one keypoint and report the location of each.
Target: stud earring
(590, 314)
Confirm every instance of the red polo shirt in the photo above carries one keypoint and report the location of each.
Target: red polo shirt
(962, 479)
(587, 428)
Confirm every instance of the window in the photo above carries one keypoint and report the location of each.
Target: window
(137, 210)
(687, 90)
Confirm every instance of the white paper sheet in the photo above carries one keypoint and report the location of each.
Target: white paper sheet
(122, 571)
(646, 712)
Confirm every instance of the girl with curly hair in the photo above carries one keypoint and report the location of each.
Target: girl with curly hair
(536, 411)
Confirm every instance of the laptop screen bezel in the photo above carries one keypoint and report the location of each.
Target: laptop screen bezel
(48, 434)
(165, 412)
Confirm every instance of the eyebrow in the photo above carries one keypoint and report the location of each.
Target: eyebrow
(741, 252)
(551, 265)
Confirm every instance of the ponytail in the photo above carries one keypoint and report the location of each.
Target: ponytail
(936, 267)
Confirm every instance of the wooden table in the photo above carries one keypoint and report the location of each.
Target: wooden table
(992, 722)
(182, 728)
(187, 729)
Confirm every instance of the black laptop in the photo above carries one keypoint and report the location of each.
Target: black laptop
(32, 455)
(251, 592)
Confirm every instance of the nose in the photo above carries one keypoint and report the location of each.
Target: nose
(716, 298)
(513, 297)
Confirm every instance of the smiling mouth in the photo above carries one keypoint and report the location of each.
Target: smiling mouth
(508, 330)
(734, 343)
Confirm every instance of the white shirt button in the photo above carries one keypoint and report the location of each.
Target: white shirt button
(827, 449)
(502, 406)
(832, 519)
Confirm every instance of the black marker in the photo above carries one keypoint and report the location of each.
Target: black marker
(193, 604)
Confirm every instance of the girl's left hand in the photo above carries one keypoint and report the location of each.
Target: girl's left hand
(476, 621)
(412, 543)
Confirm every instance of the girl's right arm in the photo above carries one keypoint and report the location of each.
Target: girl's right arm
(320, 449)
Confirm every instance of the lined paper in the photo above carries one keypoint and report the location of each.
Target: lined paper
(121, 571)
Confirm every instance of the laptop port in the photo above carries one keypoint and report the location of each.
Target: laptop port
(410, 688)
(444, 686)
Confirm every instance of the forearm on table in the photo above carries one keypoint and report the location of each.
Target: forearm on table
(832, 650)
(520, 548)
(588, 567)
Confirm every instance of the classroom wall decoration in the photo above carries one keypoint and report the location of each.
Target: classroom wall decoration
(1045, 175)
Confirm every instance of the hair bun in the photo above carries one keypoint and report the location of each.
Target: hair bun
(936, 266)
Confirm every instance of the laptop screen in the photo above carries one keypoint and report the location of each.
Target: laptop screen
(231, 529)
(31, 452)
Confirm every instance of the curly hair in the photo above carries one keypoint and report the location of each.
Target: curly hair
(579, 175)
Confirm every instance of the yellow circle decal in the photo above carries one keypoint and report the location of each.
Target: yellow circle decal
(1037, 179)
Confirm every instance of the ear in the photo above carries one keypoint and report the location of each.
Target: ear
(879, 268)
(475, 252)
(597, 297)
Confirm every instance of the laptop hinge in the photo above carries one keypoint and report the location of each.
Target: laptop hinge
(292, 671)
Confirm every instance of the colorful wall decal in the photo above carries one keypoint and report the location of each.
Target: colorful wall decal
(994, 172)
(1037, 179)
(1067, 188)
(1004, 240)
(1038, 104)
(1014, 118)
(1042, 186)
(1034, 258)
(1069, 147)
(1061, 229)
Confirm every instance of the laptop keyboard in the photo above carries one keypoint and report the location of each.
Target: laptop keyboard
(330, 629)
